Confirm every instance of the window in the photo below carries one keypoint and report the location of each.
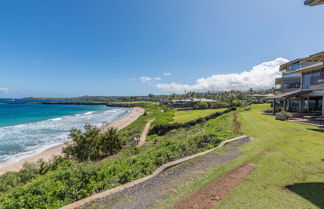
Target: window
(306, 80)
(291, 84)
(294, 67)
(312, 78)
(294, 105)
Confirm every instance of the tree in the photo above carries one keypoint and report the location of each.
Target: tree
(92, 144)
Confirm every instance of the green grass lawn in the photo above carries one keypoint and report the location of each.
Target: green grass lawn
(290, 166)
(221, 128)
(185, 116)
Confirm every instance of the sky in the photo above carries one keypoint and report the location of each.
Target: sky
(136, 47)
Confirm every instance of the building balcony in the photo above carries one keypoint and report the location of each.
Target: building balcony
(286, 88)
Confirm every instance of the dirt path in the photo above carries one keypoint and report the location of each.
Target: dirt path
(144, 133)
(148, 193)
(209, 195)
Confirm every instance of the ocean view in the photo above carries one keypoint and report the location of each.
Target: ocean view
(27, 129)
(162, 104)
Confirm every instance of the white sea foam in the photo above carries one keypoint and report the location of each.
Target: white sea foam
(56, 119)
(20, 141)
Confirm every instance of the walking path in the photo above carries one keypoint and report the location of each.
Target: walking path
(213, 192)
(156, 188)
(144, 133)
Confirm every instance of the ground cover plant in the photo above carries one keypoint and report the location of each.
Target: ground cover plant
(289, 166)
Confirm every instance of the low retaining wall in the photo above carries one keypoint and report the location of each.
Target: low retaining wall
(155, 173)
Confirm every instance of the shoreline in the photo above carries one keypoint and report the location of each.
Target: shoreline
(47, 154)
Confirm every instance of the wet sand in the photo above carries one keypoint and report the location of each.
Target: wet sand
(46, 155)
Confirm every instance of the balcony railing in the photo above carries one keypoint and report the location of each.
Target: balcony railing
(291, 86)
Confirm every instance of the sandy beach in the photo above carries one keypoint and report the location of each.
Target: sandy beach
(121, 123)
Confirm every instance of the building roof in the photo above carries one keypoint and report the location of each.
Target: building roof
(284, 66)
(290, 94)
(262, 95)
(318, 57)
(193, 100)
(313, 2)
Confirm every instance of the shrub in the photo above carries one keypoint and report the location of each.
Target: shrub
(29, 171)
(92, 144)
(287, 115)
(210, 105)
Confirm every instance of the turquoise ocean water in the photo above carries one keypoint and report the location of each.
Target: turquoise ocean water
(27, 129)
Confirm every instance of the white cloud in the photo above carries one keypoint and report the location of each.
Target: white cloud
(4, 89)
(259, 77)
(146, 79)
(167, 74)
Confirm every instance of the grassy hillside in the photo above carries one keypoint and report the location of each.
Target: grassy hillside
(185, 116)
(289, 160)
(153, 110)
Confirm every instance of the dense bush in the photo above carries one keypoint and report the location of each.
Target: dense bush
(92, 143)
(162, 129)
(287, 115)
(29, 171)
(65, 185)
(211, 105)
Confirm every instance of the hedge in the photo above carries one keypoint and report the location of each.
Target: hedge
(162, 129)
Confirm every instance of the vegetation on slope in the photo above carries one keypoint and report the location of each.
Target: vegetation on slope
(63, 181)
(153, 110)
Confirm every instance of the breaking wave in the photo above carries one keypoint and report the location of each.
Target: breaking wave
(20, 141)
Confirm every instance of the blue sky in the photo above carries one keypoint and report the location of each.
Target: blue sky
(124, 47)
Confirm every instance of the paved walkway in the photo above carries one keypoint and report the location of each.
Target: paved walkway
(148, 193)
(144, 133)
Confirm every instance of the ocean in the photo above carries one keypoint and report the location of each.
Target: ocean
(27, 129)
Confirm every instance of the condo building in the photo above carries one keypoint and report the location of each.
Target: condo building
(301, 85)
